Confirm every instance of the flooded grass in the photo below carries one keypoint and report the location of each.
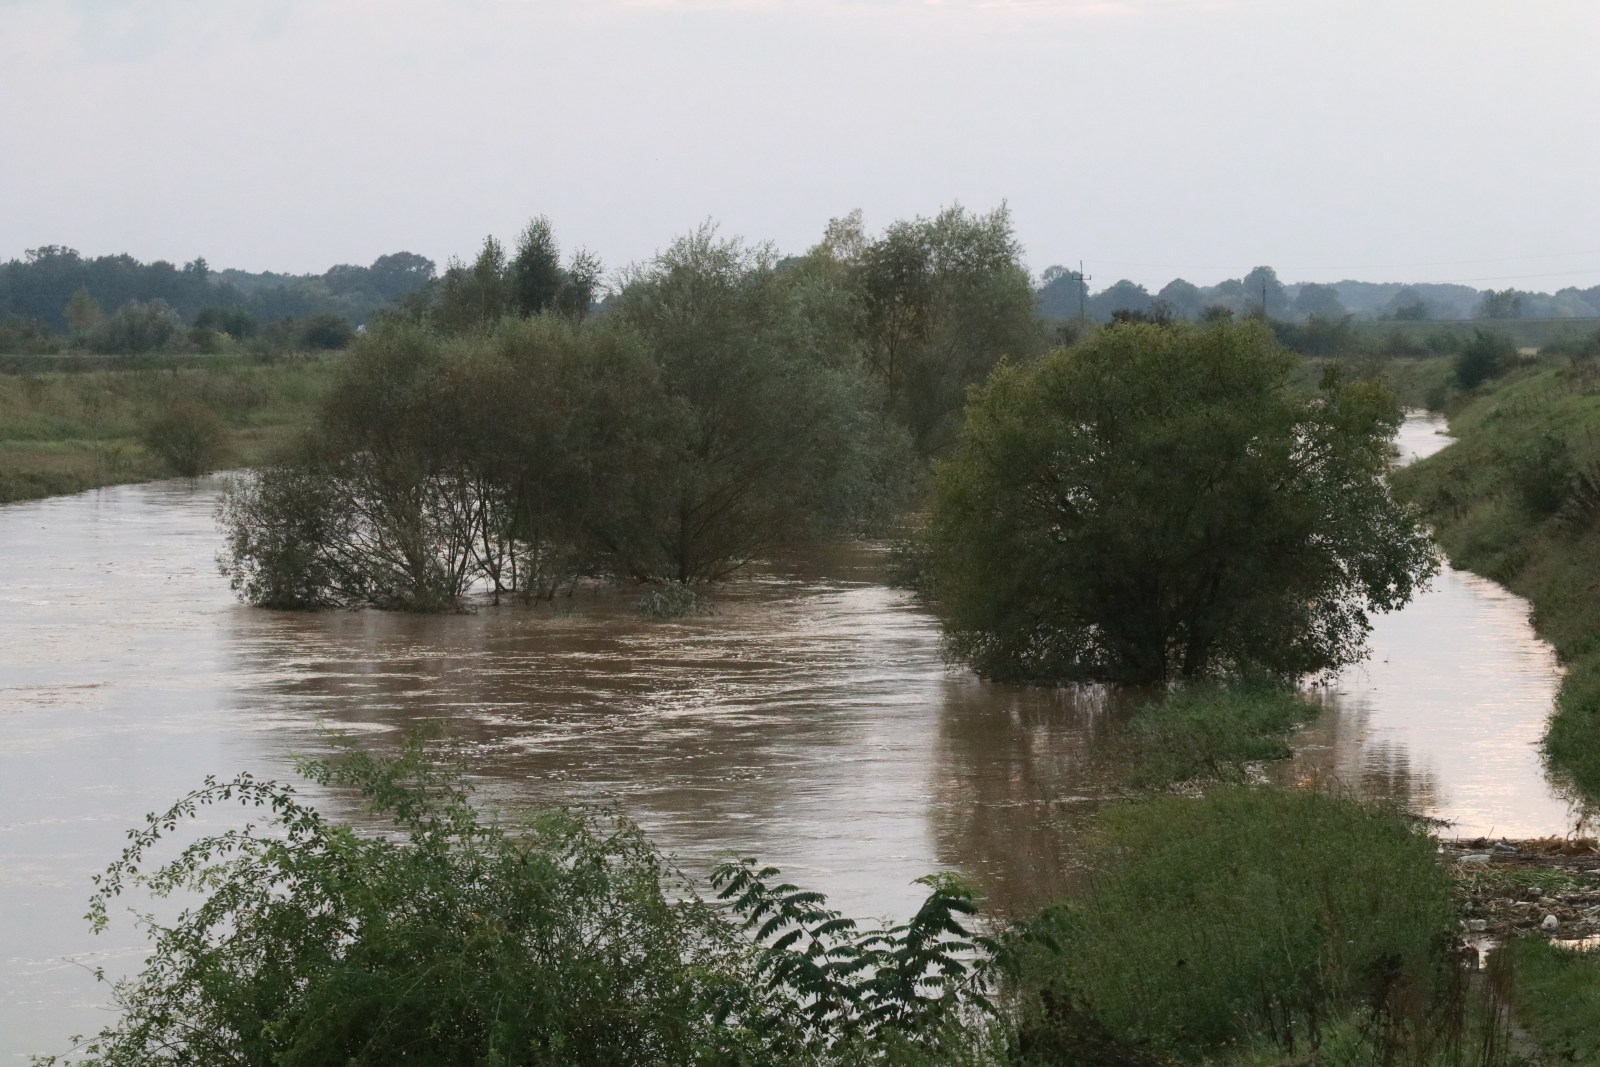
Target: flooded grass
(1213, 733)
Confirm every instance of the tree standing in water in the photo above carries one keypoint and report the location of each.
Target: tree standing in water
(1161, 503)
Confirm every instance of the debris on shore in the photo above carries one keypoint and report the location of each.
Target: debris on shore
(1548, 887)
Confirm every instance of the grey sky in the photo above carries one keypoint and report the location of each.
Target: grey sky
(1380, 139)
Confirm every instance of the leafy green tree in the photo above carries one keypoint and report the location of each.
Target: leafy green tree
(1265, 293)
(327, 332)
(535, 274)
(235, 322)
(1320, 300)
(1123, 296)
(471, 297)
(1500, 304)
(941, 302)
(1407, 305)
(397, 274)
(774, 439)
(537, 280)
(1185, 298)
(1062, 293)
(137, 328)
(1161, 503)
(1488, 354)
(83, 313)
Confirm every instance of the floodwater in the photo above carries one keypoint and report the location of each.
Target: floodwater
(810, 721)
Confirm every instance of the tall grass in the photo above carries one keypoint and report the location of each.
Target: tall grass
(1243, 917)
(1211, 733)
(1558, 999)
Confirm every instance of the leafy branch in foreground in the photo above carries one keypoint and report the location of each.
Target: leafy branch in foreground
(454, 939)
(828, 984)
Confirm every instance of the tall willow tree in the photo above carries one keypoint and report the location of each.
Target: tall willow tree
(937, 304)
(719, 414)
(777, 441)
(1159, 503)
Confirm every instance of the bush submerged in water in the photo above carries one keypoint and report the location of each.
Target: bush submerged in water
(673, 600)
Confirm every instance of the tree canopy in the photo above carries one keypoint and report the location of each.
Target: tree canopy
(719, 412)
(1160, 503)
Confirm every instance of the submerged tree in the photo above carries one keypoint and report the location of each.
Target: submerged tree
(715, 417)
(775, 441)
(1161, 503)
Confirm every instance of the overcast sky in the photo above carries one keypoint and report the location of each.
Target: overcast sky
(1418, 140)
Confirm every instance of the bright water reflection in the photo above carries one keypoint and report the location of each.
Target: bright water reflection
(810, 722)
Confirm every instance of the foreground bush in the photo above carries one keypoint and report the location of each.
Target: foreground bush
(1246, 914)
(453, 940)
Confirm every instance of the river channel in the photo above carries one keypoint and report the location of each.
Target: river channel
(809, 721)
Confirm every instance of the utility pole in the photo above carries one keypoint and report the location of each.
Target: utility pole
(1083, 292)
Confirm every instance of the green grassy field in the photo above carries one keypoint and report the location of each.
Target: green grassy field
(74, 423)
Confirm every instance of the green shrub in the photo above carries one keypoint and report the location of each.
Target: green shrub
(463, 943)
(1542, 472)
(138, 327)
(327, 332)
(189, 438)
(1247, 913)
(453, 939)
(1487, 355)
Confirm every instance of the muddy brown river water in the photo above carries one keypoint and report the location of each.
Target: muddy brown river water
(810, 721)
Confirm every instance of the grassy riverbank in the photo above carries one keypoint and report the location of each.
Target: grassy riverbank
(72, 424)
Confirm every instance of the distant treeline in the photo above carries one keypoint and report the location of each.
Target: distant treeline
(41, 285)
(54, 298)
(1063, 294)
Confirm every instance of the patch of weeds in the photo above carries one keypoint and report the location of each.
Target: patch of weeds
(1212, 733)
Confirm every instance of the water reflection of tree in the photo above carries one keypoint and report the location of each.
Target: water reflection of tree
(1018, 772)
(1334, 751)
